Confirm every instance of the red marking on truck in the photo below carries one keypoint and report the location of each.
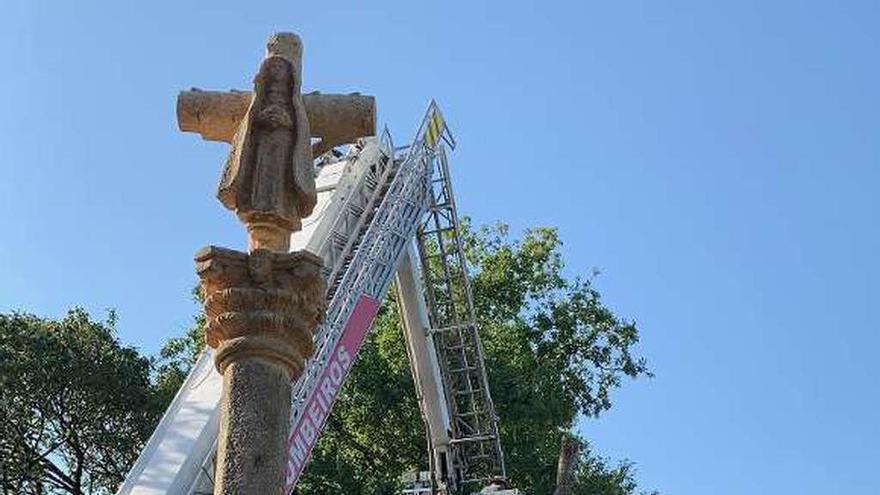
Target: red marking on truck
(319, 404)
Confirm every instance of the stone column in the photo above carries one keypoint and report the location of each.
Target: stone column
(262, 309)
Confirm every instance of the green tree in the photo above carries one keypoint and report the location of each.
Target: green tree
(178, 354)
(75, 405)
(554, 353)
(597, 476)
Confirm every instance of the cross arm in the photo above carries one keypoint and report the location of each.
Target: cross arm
(336, 119)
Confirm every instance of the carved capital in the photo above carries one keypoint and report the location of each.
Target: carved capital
(263, 304)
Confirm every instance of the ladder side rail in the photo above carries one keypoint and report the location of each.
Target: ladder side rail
(323, 336)
(484, 379)
(375, 261)
(375, 179)
(354, 279)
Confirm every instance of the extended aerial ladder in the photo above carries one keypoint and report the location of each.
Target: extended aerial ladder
(373, 202)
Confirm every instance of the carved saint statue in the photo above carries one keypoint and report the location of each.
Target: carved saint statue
(269, 179)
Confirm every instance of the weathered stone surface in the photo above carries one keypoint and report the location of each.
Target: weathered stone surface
(255, 410)
(262, 310)
(335, 119)
(262, 304)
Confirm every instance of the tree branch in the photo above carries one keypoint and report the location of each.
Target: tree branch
(369, 454)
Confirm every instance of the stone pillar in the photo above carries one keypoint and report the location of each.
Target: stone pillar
(262, 309)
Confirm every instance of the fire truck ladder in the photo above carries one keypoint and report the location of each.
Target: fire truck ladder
(376, 213)
(366, 271)
(475, 445)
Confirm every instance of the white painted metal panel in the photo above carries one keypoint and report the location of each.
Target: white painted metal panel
(172, 456)
(423, 359)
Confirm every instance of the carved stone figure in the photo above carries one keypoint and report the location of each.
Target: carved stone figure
(269, 179)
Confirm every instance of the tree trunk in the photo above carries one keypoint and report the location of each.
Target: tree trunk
(569, 452)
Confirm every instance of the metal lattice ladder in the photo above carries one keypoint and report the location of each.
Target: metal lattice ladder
(476, 447)
(370, 264)
(378, 219)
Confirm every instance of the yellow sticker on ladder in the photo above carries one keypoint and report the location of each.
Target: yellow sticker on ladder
(434, 129)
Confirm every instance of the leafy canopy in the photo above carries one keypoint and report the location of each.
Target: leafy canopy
(554, 353)
(75, 405)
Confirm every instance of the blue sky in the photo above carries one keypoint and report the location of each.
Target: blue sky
(719, 162)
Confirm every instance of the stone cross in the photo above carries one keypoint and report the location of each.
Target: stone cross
(262, 307)
(268, 178)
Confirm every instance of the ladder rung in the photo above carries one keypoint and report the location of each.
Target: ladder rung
(466, 368)
(450, 328)
(470, 414)
(482, 438)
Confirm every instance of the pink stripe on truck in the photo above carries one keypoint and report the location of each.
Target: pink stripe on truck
(319, 404)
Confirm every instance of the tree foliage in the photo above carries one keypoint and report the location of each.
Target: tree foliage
(177, 356)
(554, 352)
(75, 405)
(597, 476)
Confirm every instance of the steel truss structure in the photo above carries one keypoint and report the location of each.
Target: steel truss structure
(476, 446)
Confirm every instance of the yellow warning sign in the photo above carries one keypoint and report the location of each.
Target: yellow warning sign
(434, 128)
